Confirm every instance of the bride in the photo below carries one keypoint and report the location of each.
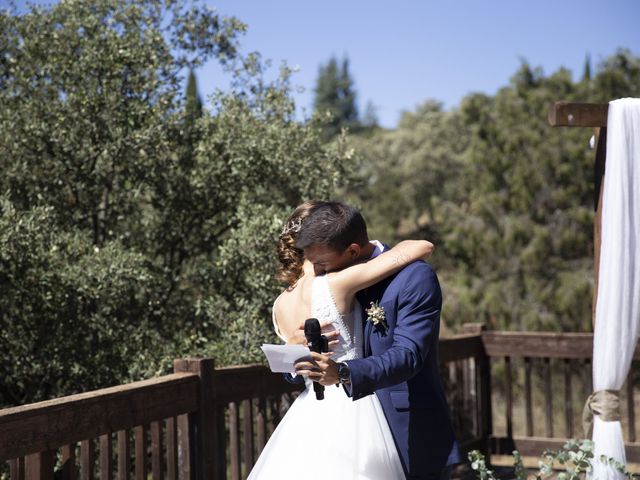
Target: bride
(350, 439)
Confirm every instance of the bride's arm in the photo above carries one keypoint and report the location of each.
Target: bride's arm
(363, 275)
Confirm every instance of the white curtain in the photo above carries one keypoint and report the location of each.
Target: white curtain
(618, 306)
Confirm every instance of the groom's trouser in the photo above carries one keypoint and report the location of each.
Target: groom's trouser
(445, 474)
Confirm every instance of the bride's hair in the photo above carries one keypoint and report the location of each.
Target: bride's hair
(291, 258)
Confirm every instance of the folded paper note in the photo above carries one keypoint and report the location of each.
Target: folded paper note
(282, 357)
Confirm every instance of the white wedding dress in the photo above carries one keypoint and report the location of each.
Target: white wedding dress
(334, 438)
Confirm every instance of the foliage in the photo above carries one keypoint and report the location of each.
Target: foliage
(507, 199)
(575, 457)
(135, 226)
(335, 98)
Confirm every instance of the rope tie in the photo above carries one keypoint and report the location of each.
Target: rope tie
(606, 404)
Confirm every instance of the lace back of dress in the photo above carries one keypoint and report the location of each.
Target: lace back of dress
(323, 307)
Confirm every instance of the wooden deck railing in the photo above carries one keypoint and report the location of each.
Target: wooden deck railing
(555, 367)
(206, 423)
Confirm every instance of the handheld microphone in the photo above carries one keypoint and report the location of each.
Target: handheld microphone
(316, 343)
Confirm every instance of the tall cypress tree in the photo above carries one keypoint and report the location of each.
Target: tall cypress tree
(586, 75)
(335, 94)
(194, 104)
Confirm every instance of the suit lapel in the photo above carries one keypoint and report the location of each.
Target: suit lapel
(367, 337)
(363, 297)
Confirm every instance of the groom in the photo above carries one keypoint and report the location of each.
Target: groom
(400, 363)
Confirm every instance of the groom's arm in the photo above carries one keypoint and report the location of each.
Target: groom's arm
(419, 305)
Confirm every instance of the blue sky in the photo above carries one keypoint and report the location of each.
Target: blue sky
(404, 52)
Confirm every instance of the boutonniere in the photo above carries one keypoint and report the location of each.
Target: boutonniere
(377, 316)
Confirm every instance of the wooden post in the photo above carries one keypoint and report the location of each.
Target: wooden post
(172, 449)
(106, 456)
(140, 452)
(199, 427)
(39, 466)
(16, 469)
(69, 471)
(576, 114)
(483, 370)
(598, 180)
(156, 451)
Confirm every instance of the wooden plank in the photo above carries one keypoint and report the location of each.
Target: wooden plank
(69, 470)
(124, 455)
(186, 437)
(172, 449)
(140, 436)
(156, 451)
(16, 468)
(234, 442)
(221, 442)
(106, 456)
(39, 466)
(48, 425)
(568, 400)
(458, 404)
(578, 114)
(87, 460)
(534, 446)
(485, 384)
(538, 344)
(247, 436)
(548, 398)
(205, 417)
(250, 381)
(261, 427)
(508, 394)
(459, 347)
(528, 405)
(588, 377)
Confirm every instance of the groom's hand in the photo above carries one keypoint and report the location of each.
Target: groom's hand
(327, 330)
(321, 369)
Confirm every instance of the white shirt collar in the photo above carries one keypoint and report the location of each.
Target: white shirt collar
(378, 250)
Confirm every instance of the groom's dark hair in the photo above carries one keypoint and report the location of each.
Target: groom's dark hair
(334, 224)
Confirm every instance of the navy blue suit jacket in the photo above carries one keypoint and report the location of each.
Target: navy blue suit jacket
(400, 366)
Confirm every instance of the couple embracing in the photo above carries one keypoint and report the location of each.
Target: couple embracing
(385, 414)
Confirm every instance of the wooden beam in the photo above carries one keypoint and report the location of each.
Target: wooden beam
(47, 425)
(577, 114)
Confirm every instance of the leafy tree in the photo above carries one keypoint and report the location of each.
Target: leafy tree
(135, 229)
(370, 116)
(507, 199)
(335, 97)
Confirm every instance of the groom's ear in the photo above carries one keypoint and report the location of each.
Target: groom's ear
(354, 251)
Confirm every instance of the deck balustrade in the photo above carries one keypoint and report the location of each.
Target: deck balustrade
(507, 390)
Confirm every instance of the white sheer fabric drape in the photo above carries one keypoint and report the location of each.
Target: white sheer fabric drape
(618, 305)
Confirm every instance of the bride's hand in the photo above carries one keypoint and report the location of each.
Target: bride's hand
(321, 369)
(327, 330)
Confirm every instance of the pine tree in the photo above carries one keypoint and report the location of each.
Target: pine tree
(586, 75)
(194, 104)
(335, 95)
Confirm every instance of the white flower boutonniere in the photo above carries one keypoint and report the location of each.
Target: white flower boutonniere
(377, 316)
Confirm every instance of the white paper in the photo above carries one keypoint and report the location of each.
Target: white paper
(282, 357)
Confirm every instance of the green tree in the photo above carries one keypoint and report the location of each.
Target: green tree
(507, 199)
(133, 230)
(194, 103)
(335, 98)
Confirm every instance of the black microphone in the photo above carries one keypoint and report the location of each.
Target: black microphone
(316, 343)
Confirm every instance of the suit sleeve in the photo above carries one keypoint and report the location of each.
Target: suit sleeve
(419, 304)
